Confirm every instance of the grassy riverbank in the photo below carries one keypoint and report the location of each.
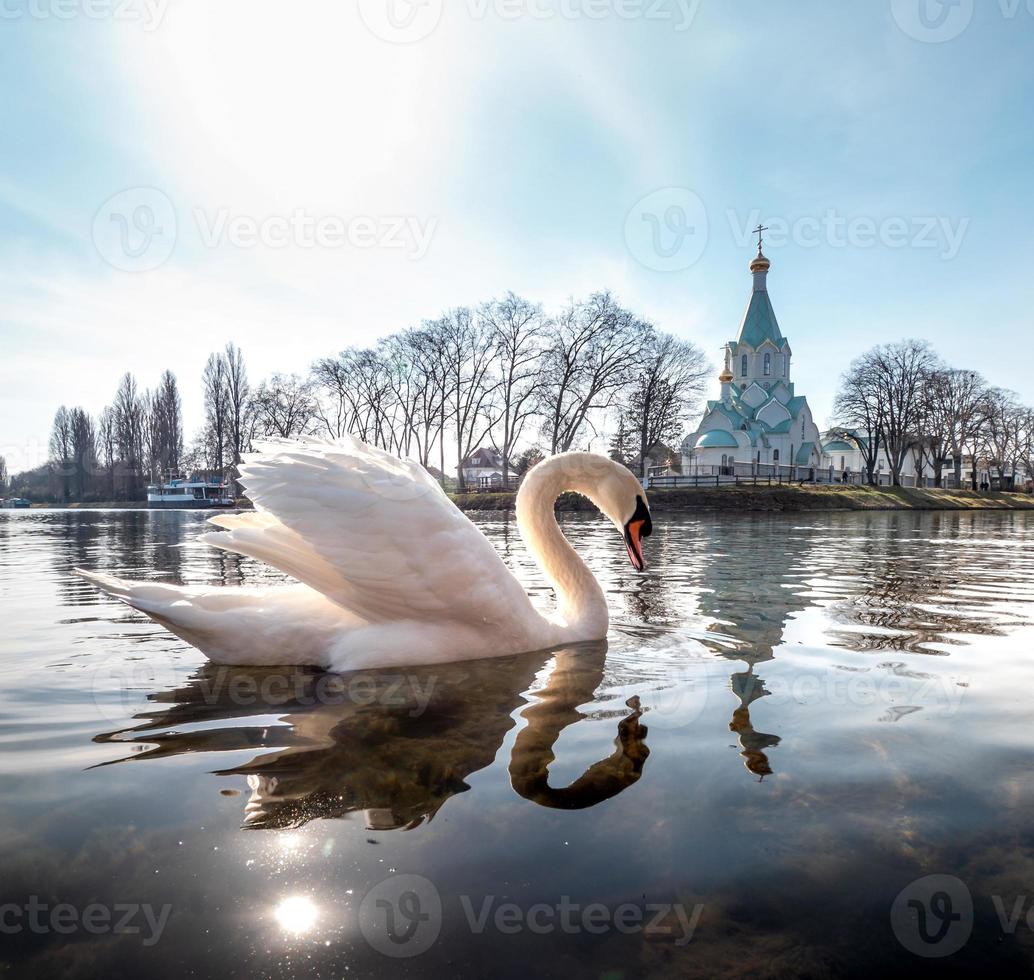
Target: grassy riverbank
(744, 498)
(786, 498)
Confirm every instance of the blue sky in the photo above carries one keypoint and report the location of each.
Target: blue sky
(165, 163)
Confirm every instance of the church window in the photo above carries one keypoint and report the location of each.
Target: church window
(775, 455)
(768, 365)
(743, 366)
(786, 364)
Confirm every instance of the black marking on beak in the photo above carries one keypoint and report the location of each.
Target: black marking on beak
(639, 526)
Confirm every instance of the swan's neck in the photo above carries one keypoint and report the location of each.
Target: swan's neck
(581, 605)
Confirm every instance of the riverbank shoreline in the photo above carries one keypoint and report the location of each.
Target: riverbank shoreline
(783, 499)
(730, 499)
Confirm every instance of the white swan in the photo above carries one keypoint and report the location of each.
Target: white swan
(390, 572)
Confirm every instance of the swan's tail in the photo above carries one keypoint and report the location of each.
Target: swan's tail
(148, 597)
(191, 613)
(238, 624)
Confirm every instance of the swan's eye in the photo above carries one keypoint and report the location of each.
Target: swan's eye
(642, 513)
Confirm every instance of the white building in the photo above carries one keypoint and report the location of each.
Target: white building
(483, 469)
(842, 453)
(759, 424)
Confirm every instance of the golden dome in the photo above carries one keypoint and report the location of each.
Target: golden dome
(760, 264)
(725, 377)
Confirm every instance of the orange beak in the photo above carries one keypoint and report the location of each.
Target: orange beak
(639, 526)
(633, 542)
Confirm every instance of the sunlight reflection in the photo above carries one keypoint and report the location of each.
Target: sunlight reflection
(297, 914)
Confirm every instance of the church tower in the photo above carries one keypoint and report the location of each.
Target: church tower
(759, 424)
(760, 352)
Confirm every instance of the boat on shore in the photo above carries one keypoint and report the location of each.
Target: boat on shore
(180, 494)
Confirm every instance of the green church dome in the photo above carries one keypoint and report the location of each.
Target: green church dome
(717, 439)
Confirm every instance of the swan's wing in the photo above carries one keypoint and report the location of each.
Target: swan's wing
(374, 533)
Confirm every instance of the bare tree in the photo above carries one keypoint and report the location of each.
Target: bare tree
(238, 402)
(217, 410)
(936, 423)
(467, 349)
(427, 347)
(962, 394)
(1026, 441)
(165, 428)
(591, 358)
(669, 382)
(106, 445)
(84, 452)
(623, 442)
(128, 416)
(61, 450)
(517, 329)
(1000, 439)
(4, 475)
(858, 409)
(902, 371)
(352, 394)
(284, 406)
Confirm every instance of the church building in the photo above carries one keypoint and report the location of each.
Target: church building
(759, 420)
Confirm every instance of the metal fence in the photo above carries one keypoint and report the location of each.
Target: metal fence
(766, 474)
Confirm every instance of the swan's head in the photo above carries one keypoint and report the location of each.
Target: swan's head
(613, 488)
(622, 498)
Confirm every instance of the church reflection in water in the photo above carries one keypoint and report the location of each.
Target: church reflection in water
(392, 745)
(753, 611)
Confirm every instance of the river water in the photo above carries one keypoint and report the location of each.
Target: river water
(806, 750)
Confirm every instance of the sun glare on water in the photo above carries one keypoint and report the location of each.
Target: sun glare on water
(297, 914)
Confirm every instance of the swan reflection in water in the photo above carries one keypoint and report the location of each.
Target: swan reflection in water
(394, 745)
